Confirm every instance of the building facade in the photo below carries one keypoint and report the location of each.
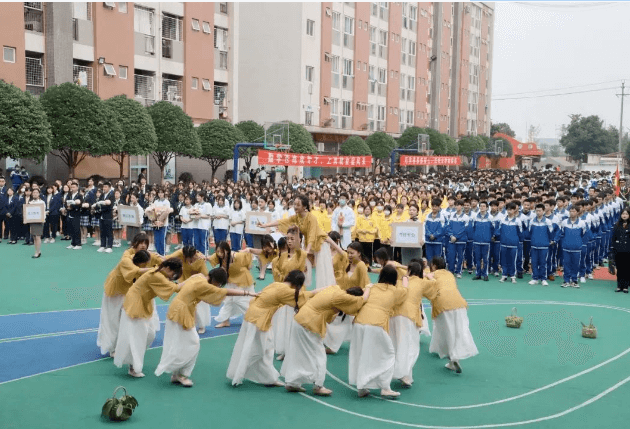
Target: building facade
(340, 69)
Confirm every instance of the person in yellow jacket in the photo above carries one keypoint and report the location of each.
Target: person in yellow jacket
(367, 231)
(406, 322)
(252, 357)
(136, 331)
(305, 361)
(118, 282)
(237, 265)
(265, 255)
(372, 357)
(194, 262)
(451, 331)
(340, 258)
(181, 341)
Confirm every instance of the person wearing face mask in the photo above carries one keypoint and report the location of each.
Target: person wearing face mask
(343, 220)
(367, 230)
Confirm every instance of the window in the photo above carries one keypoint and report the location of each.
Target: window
(346, 106)
(359, 65)
(410, 117)
(309, 73)
(195, 25)
(383, 38)
(370, 111)
(348, 26)
(347, 67)
(336, 21)
(382, 75)
(9, 54)
(195, 83)
(364, 67)
(223, 8)
(403, 50)
(206, 27)
(122, 7)
(206, 84)
(374, 9)
(144, 20)
(220, 94)
(109, 70)
(83, 10)
(381, 113)
(220, 38)
(412, 48)
(402, 80)
(334, 106)
(308, 118)
(310, 27)
(172, 27)
(122, 72)
(411, 83)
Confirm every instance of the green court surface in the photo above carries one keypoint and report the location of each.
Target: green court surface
(544, 375)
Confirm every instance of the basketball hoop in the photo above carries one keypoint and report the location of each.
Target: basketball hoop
(282, 147)
(429, 152)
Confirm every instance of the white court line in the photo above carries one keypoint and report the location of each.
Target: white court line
(96, 360)
(60, 311)
(496, 425)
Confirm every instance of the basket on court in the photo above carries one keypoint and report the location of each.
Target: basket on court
(589, 331)
(119, 409)
(513, 321)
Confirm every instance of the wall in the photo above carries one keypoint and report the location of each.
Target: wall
(12, 35)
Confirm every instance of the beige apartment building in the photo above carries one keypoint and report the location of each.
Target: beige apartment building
(340, 69)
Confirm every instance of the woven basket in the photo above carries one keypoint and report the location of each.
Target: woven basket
(589, 331)
(513, 321)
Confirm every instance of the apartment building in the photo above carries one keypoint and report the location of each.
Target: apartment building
(173, 51)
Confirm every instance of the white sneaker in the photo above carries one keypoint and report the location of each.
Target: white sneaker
(96, 243)
(575, 285)
(459, 276)
(514, 280)
(582, 280)
(77, 248)
(101, 249)
(84, 241)
(590, 277)
(565, 284)
(533, 282)
(52, 240)
(503, 279)
(116, 244)
(69, 247)
(544, 283)
(108, 250)
(45, 240)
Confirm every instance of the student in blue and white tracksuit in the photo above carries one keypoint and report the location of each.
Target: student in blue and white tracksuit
(468, 253)
(601, 228)
(483, 230)
(435, 231)
(527, 214)
(551, 255)
(495, 246)
(457, 234)
(203, 224)
(541, 232)
(572, 232)
(510, 233)
(592, 243)
(585, 267)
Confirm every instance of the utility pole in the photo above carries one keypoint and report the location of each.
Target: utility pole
(623, 94)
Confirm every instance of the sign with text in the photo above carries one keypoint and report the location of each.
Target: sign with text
(430, 160)
(34, 213)
(251, 222)
(129, 215)
(407, 234)
(266, 157)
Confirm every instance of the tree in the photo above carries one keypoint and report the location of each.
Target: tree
(587, 135)
(355, 145)
(78, 122)
(470, 144)
(175, 134)
(451, 145)
(24, 128)
(437, 141)
(381, 146)
(501, 127)
(252, 133)
(409, 136)
(136, 126)
(300, 139)
(218, 139)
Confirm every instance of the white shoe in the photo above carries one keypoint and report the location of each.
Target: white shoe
(101, 249)
(459, 276)
(108, 250)
(96, 243)
(52, 240)
(83, 241)
(590, 277)
(544, 283)
(575, 285)
(45, 240)
(514, 280)
(77, 248)
(502, 280)
(69, 247)
(168, 248)
(565, 284)
(533, 282)
(582, 280)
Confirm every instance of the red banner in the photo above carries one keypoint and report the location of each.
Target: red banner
(430, 160)
(267, 157)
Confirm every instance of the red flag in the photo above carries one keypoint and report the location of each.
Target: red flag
(617, 187)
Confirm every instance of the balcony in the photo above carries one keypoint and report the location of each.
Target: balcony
(34, 17)
(144, 44)
(221, 60)
(335, 80)
(382, 51)
(83, 76)
(411, 95)
(347, 82)
(144, 89)
(336, 39)
(380, 126)
(172, 92)
(403, 93)
(372, 86)
(34, 76)
(372, 48)
(382, 89)
(346, 122)
(335, 121)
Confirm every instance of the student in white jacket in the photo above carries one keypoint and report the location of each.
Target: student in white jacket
(221, 220)
(203, 221)
(237, 225)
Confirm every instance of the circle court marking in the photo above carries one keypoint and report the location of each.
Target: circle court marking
(495, 425)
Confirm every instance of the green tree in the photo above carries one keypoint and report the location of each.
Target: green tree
(137, 128)
(218, 139)
(409, 136)
(24, 128)
(355, 145)
(110, 136)
(78, 123)
(451, 145)
(381, 146)
(587, 135)
(437, 141)
(470, 144)
(175, 133)
(501, 127)
(252, 133)
(300, 139)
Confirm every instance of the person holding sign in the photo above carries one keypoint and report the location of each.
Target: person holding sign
(37, 229)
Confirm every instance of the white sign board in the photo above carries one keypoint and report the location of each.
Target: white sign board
(406, 234)
(128, 215)
(34, 213)
(251, 222)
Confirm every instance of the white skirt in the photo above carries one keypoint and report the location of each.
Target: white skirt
(337, 332)
(405, 337)
(305, 361)
(155, 317)
(180, 350)
(134, 338)
(452, 337)
(252, 357)
(372, 358)
(234, 306)
(281, 324)
(324, 273)
(202, 315)
(426, 329)
(308, 274)
(111, 308)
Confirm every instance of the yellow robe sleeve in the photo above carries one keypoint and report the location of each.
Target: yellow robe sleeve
(182, 309)
(214, 260)
(349, 304)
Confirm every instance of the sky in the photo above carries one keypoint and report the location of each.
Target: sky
(543, 48)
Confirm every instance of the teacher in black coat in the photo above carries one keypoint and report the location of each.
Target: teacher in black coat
(620, 251)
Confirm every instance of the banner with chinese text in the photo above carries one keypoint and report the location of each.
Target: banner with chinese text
(430, 160)
(266, 157)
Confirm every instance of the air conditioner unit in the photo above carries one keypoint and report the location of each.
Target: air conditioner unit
(310, 88)
(109, 4)
(328, 12)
